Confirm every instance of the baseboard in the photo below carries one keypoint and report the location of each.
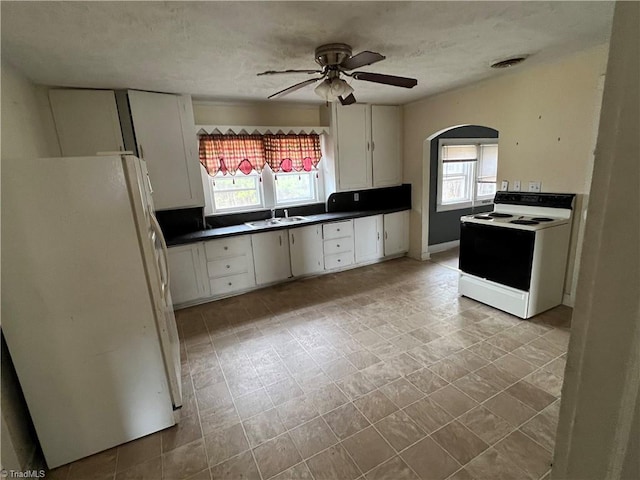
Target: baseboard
(567, 300)
(443, 247)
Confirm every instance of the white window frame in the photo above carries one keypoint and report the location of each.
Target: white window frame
(314, 183)
(475, 200)
(239, 174)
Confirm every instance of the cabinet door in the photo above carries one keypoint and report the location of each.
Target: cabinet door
(86, 121)
(368, 238)
(385, 145)
(271, 256)
(353, 147)
(187, 273)
(166, 139)
(396, 233)
(306, 250)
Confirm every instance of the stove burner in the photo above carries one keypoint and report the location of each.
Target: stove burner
(483, 217)
(500, 215)
(524, 222)
(542, 219)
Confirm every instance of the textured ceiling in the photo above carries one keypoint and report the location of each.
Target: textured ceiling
(214, 49)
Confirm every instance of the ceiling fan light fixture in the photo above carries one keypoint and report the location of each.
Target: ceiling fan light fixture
(332, 88)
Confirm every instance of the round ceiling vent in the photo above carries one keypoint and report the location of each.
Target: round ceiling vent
(510, 62)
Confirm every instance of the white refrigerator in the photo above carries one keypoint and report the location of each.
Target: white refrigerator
(86, 308)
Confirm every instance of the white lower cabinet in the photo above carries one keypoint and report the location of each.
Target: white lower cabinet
(271, 256)
(338, 244)
(188, 277)
(230, 265)
(396, 233)
(305, 244)
(368, 233)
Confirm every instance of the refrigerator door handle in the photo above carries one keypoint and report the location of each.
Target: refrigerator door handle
(164, 271)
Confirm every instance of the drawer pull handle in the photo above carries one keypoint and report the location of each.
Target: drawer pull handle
(339, 260)
(228, 266)
(226, 248)
(338, 229)
(230, 283)
(338, 245)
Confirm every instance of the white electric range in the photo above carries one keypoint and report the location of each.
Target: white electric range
(515, 257)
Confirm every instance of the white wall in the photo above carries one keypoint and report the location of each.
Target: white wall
(27, 131)
(599, 427)
(545, 116)
(255, 114)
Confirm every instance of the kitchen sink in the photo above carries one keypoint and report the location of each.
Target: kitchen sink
(291, 219)
(263, 223)
(272, 222)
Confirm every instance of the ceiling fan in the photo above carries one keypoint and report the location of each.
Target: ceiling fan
(336, 59)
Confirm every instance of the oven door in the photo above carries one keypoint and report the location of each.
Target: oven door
(503, 255)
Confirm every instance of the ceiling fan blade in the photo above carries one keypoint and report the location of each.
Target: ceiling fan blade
(348, 100)
(275, 72)
(293, 88)
(361, 59)
(386, 79)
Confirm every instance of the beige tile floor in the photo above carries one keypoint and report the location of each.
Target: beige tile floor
(380, 372)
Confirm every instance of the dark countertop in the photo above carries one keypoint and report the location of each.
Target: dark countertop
(242, 229)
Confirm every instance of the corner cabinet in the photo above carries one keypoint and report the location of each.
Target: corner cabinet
(86, 121)
(367, 146)
(187, 273)
(162, 133)
(271, 256)
(396, 233)
(164, 130)
(305, 245)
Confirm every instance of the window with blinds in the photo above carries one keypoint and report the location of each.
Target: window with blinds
(467, 172)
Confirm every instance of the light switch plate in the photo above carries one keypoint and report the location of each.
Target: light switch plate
(535, 187)
(356, 197)
(516, 185)
(504, 186)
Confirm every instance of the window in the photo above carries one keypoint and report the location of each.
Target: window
(295, 187)
(467, 173)
(253, 171)
(236, 193)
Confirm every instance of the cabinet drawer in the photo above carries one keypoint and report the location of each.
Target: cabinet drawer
(232, 283)
(227, 247)
(338, 260)
(337, 229)
(338, 245)
(228, 266)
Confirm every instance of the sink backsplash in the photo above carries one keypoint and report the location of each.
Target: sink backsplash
(370, 199)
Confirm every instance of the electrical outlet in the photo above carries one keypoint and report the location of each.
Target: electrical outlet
(516, 185)
(356, 197)
(535, 187)
(504, 186)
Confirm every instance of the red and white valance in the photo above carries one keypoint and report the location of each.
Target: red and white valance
(232, 152)
(292, 152)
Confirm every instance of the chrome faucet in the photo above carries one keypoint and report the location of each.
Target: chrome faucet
(273, 213)
(286, 213)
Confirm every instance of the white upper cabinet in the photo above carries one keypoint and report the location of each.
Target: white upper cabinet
(353, 147)
(271, 256)
(385, 146)
(396, 233)
(86, 121)
(367, 146)
(368, 233)
(165, 135)
(305, 244)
